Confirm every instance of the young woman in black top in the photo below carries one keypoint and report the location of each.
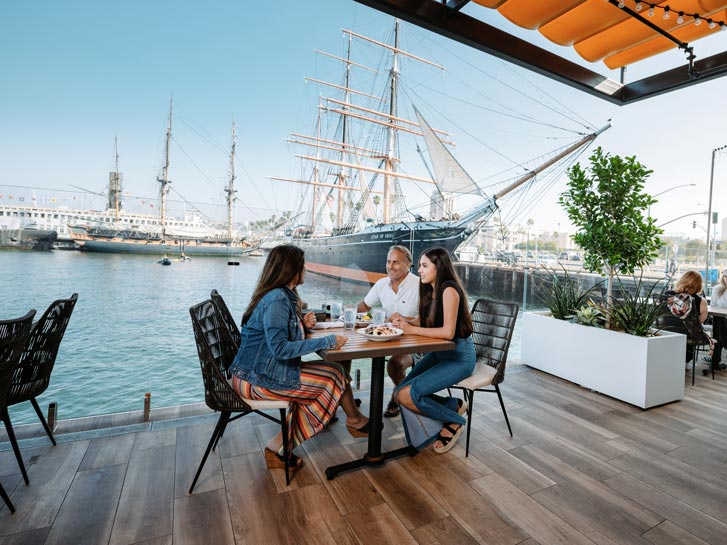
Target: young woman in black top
(443, 314)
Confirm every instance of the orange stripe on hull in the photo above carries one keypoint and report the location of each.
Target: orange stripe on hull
(356, 275)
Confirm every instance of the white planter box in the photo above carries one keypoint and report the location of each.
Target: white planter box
(643, 371)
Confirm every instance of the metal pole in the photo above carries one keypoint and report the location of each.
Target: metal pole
(709, 220)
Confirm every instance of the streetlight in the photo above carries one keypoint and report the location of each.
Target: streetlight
(648, 213)
(709, 218)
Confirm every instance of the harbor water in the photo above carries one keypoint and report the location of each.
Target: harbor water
(131, 332)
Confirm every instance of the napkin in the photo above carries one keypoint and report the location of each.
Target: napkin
(327, 325)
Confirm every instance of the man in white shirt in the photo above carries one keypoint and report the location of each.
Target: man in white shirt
(398, 294)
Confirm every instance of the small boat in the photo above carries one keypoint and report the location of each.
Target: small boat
(165, 261)
(184, 258)
(256, 253)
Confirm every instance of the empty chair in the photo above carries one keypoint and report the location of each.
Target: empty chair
(32, 375)
(13, 335)
(216, 350)
(493, 323)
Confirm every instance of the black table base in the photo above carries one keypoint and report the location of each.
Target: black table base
(373, 456)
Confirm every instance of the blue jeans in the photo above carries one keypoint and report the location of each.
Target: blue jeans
(436, 371)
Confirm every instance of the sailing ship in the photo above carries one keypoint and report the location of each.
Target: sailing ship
(167, 235)
(355, 245)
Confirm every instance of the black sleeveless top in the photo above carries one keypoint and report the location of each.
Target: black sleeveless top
(461, 331)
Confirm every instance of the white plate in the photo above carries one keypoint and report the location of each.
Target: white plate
(380, 338)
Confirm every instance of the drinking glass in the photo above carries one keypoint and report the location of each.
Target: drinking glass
(336, 310)
(378, 316)
(349, 317)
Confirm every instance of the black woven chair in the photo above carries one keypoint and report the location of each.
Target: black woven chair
(32, 375)
(216, 349)
(13, 335)
(227, 319)
(493, 324)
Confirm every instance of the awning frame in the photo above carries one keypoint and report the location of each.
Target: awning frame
(437, 17)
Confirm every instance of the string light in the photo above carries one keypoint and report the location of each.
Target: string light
(681, 16)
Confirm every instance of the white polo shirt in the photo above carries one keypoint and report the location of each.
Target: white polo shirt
(405, 301)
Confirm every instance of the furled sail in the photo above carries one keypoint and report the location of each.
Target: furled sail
(449, 175)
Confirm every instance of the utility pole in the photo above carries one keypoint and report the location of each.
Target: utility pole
(709, 220)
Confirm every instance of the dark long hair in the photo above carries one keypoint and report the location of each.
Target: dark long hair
(445, 272)
(284, 264)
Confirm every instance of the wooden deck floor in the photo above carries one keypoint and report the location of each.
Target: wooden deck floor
(582, 468)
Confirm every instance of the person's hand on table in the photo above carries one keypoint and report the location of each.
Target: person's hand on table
(309, 320)
(340, 341)
(395, 316)
(401, 323)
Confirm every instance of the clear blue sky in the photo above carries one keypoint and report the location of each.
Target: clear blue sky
(75, 74)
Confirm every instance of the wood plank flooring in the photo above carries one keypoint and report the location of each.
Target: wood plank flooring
(581, 469)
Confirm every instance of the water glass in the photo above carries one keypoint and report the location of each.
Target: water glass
(378, 316)
(349, 317)
(336, 310)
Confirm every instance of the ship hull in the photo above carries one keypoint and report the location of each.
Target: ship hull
(361, 256)
(28, 239)
(190, 247)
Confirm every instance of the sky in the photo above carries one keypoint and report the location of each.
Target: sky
(76, 75)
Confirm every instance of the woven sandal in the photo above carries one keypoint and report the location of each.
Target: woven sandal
(448, 442)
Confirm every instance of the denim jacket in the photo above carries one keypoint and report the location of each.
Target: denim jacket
(273, 342)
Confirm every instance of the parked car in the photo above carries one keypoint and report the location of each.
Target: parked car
(563, 256)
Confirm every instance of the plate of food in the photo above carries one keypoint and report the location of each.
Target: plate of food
(384, 332)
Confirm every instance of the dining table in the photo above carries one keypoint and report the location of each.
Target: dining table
(360, 346)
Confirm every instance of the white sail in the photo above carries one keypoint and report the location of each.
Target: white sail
(448, 173)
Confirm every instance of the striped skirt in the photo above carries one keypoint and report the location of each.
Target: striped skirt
(312, 405)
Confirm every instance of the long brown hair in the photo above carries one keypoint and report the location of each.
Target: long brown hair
(284, 264)
(445, 272)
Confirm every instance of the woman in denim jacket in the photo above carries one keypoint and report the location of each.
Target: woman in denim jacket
(268, 364)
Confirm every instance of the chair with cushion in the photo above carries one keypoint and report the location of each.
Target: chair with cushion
(216, 350)
(13, 335)
(32, 375)
(493, 324)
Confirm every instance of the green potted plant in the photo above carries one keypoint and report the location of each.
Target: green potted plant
(606, 202)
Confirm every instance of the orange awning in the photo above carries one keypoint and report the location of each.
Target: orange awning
(616, 32)
(600, 31)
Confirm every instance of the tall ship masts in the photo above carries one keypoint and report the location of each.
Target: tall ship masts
(114, 197)
(359, 165)
(163, 180)
(230, 189)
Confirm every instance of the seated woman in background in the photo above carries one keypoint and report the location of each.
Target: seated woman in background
(443, 314)
(719, 293)
(268, 364)
(690, 283)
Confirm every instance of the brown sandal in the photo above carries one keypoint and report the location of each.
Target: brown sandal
(363, 431)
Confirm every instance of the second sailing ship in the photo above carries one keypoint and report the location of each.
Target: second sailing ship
(166, 237)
